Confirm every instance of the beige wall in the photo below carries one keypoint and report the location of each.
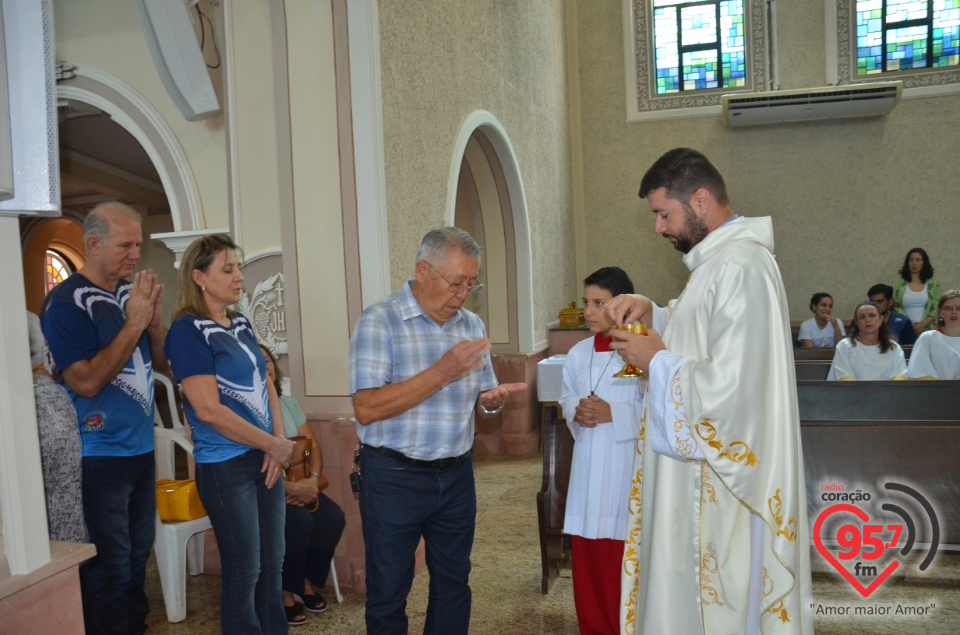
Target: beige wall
(442, 60)
(848, 198)
(106, 35)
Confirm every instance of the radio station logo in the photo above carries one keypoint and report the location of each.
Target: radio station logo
(865, 550)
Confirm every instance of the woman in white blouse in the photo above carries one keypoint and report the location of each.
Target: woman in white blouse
(823, 329)
(936, 354)
(916, 292)
(868, 353)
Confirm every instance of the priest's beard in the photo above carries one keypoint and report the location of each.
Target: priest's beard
(694, 230)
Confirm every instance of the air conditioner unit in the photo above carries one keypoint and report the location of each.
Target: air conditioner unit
(810, 104)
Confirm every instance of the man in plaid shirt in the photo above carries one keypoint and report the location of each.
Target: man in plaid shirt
(419, 366)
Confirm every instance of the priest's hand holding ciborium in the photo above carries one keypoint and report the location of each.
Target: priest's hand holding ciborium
(636, 344)
(628, 370)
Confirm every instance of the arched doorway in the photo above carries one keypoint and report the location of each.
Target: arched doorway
(486, 198)
(113, 146)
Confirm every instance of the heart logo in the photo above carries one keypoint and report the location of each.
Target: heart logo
(829, 557)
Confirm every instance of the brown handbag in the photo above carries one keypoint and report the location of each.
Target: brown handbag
(300, 460)
(300, 467)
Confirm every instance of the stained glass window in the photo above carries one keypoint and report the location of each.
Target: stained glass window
(898, 35)
(57, 269)
(699, 45)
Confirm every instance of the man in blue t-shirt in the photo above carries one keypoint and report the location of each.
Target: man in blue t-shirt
(901, 329)
(106, 339)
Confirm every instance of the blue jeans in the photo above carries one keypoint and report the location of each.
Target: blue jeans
(247, 520)
(119, 506)
(399, 504)
(311, 540)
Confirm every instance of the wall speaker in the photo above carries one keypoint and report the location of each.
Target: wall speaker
(29, 143)
(177, 56)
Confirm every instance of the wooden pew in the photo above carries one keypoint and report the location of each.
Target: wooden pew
(812, 370)
(552, 498)
(813, 354)
(826, 354)
(865, 434)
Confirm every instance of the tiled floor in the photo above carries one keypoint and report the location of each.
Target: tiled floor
(506, 581)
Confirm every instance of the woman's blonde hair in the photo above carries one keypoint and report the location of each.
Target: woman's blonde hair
(199, 256)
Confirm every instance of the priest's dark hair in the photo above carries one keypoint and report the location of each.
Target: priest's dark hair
(883, 333)
(613, 279)
(681, 172)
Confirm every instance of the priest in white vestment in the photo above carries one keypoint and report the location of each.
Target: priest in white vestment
(717, 541)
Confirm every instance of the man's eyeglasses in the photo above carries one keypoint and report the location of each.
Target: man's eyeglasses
(456, 288)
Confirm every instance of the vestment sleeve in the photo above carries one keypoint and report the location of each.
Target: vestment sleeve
(670, 433)
(921, 359)
(187, 350)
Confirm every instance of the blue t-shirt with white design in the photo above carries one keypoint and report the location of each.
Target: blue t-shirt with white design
(200, 346)
(80, 319)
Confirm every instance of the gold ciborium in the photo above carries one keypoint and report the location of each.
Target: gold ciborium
(629, 370)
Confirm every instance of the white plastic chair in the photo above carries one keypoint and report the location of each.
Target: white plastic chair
(336, 584)
(179, 544)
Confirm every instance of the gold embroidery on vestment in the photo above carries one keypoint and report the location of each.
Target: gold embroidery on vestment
(708, 565)
(778, 608)
(677, 391)
(709, 434)
(776, 508)
(708, 491)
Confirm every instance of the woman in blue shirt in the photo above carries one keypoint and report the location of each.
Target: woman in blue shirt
(237, 430)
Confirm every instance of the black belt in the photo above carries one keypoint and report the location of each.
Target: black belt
(440, 464)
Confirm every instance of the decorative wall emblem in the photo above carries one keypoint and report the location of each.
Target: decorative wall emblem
(266, 310)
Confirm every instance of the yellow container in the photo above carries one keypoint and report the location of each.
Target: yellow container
(179, 500)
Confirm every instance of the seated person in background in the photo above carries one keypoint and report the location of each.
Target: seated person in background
(936, 355)
(916, 292)
(899, 325)
(603, 414)
(314, 522)
(868, 353)
(823, 329)
(59, 446)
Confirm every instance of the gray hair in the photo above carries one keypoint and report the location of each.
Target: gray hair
(436, 243)
(97, 224)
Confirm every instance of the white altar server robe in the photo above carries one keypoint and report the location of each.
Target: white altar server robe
(867, 363)
(935, 356)
(602, 466)
(724, 507)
